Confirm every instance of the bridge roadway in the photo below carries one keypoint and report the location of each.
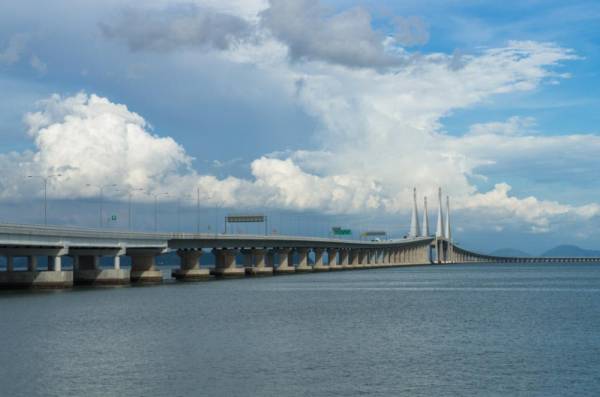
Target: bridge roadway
(260, 255)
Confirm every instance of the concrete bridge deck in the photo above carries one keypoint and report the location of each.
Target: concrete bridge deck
(261, 255)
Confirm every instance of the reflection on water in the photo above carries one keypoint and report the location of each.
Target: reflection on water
(462, 330)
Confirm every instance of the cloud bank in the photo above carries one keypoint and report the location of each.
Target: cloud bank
(379, 110)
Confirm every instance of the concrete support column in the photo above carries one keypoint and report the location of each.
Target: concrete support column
(303, 261)
(355, 258)
(362, 258)
(143, 269)
(319, 265)
(270, 259)
(389, 256)
(32, 263)
(32, 278)
(332, 254)
(259, 258)
(345, 258)
(57, 267)
(260, 267)
(225, 265)
(117, 262)
(248, 258)
(285, 267)
(189, 259)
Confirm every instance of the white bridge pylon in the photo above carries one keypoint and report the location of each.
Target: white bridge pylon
(442, 231)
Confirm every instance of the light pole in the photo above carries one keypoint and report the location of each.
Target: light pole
(130, 193)
(179, 210)
(198, 209)
(156, 195)
(45, 179)
(101, 189)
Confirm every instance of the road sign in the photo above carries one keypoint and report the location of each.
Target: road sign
(245, 218)
(338, 231)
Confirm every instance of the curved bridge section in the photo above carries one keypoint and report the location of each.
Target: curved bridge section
(233, 255)
(450, 253)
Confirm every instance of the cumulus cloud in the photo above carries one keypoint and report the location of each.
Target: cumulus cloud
(38, 64)
(311, 32)
(513, 126)
(538, 213)
(14, 50)
(379, 133)
(411, 31)
(308, 30)
(181, 26)
(90, 140)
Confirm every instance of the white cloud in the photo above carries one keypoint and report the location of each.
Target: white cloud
(380, 131)
(180, 26)
(14, 49)
(90, 140)
(538, 213)
(38, 65)
(312, 32)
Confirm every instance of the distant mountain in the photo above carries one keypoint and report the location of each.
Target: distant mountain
(571, 251)
(510, 252)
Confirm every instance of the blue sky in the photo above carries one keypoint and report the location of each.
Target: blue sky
(332, 107)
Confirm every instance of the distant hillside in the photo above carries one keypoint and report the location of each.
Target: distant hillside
(570, 251)
(510, 252)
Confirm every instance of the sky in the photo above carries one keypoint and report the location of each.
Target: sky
(314, 111)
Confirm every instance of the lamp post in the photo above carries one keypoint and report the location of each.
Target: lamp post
(45, 179)
(179, 210)
(198, 209)
(101, 189)
(156, 195)
(130, 194)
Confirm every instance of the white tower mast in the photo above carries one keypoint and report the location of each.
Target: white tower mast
(414, 221)
(447, 231)
(425, 230)
(439, 231)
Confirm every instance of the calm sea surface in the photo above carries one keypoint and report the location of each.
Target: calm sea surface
(530, 330)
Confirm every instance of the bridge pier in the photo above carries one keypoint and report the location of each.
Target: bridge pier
(285, 264)
(189, 268)
(225, 264)
(332, 257)
(143, 266)
(88, 271)
(303, 266)
(259, 267)
(33, 278)
(345, 259)
(360, 259)
(319, 265)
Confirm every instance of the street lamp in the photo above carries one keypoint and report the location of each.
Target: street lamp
(101, 188)
(130, 193)
(198, 209)
(45, 179)
(179, 210)
(156, 195)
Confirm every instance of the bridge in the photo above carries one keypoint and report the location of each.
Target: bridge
(234, 255)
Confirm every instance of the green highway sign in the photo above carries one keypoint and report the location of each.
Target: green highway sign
(338, 231)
